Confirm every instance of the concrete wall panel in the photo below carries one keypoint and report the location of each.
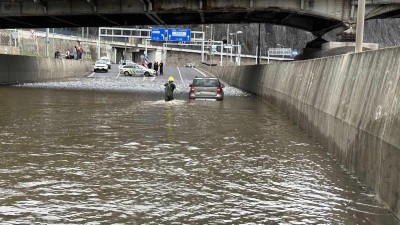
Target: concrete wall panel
(349, 103)
(22, 69)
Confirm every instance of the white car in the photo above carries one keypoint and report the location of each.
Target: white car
(129, 70)
(105, 58)
(100, 65)
(190, 65)
(126, 64)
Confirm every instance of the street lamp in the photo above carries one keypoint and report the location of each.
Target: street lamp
(236, 34)
(237, 43)
(211, 29)
(360, 25)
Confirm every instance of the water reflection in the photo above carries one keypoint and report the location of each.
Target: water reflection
(73, 157)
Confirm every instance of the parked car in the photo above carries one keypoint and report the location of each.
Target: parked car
(100, 65)
(129, 70)
(105, 58)
(206, 88)
(126, 63)
(190, 65)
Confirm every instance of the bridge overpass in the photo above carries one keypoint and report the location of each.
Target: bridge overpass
(317, 17)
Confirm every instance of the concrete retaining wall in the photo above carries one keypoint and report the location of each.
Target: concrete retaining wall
(349, 103)
(22, 69)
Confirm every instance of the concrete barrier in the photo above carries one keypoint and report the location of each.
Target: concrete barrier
(348, 103)
(23, 69)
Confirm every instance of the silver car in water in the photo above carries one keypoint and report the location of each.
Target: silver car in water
(206, 88)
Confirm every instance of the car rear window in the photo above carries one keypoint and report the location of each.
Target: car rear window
(206, 83)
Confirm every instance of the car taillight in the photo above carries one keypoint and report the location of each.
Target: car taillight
(219, 89)
(192, 90)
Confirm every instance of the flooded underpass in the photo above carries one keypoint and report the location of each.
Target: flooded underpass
(115, 156)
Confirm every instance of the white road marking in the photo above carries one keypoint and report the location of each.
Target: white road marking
(208, 73)
(91, 75)
(200, 72)
(118, 75)
(180, 74)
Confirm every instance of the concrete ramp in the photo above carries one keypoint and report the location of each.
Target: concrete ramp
(348, 103)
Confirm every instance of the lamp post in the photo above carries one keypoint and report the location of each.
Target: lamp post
(259, 45)
(211, 31)
(238, 32)
(360, 25)
(237, 42)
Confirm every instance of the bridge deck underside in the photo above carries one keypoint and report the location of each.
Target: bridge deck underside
(301, 21)
(391, 14)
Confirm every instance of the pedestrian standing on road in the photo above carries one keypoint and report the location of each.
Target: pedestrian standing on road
(80, 52)
(161, 68)
(149, 65)
(75, 53)
(156, 67)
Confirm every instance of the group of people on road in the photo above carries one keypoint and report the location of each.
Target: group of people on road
(158, 67)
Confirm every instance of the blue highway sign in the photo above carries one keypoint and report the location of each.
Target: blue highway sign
(157, 34)
(179, 34)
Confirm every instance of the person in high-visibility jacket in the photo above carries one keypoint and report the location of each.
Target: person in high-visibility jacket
(169, 89)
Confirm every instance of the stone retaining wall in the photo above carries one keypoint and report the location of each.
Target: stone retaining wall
(348, 103)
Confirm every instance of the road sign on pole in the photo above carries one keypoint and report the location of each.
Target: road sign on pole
(157, 34)
(179, 34)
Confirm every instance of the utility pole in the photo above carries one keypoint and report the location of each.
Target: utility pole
(211, 32)
(98, 44)
(227, 35)
(259, 46)
(360, 25)
(47, 42)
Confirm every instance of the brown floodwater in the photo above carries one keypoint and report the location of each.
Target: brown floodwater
(88, 157)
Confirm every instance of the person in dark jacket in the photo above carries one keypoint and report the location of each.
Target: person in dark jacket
(161, 65)
(156, 67)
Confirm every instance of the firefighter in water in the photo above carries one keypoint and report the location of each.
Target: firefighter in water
(169, 89)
